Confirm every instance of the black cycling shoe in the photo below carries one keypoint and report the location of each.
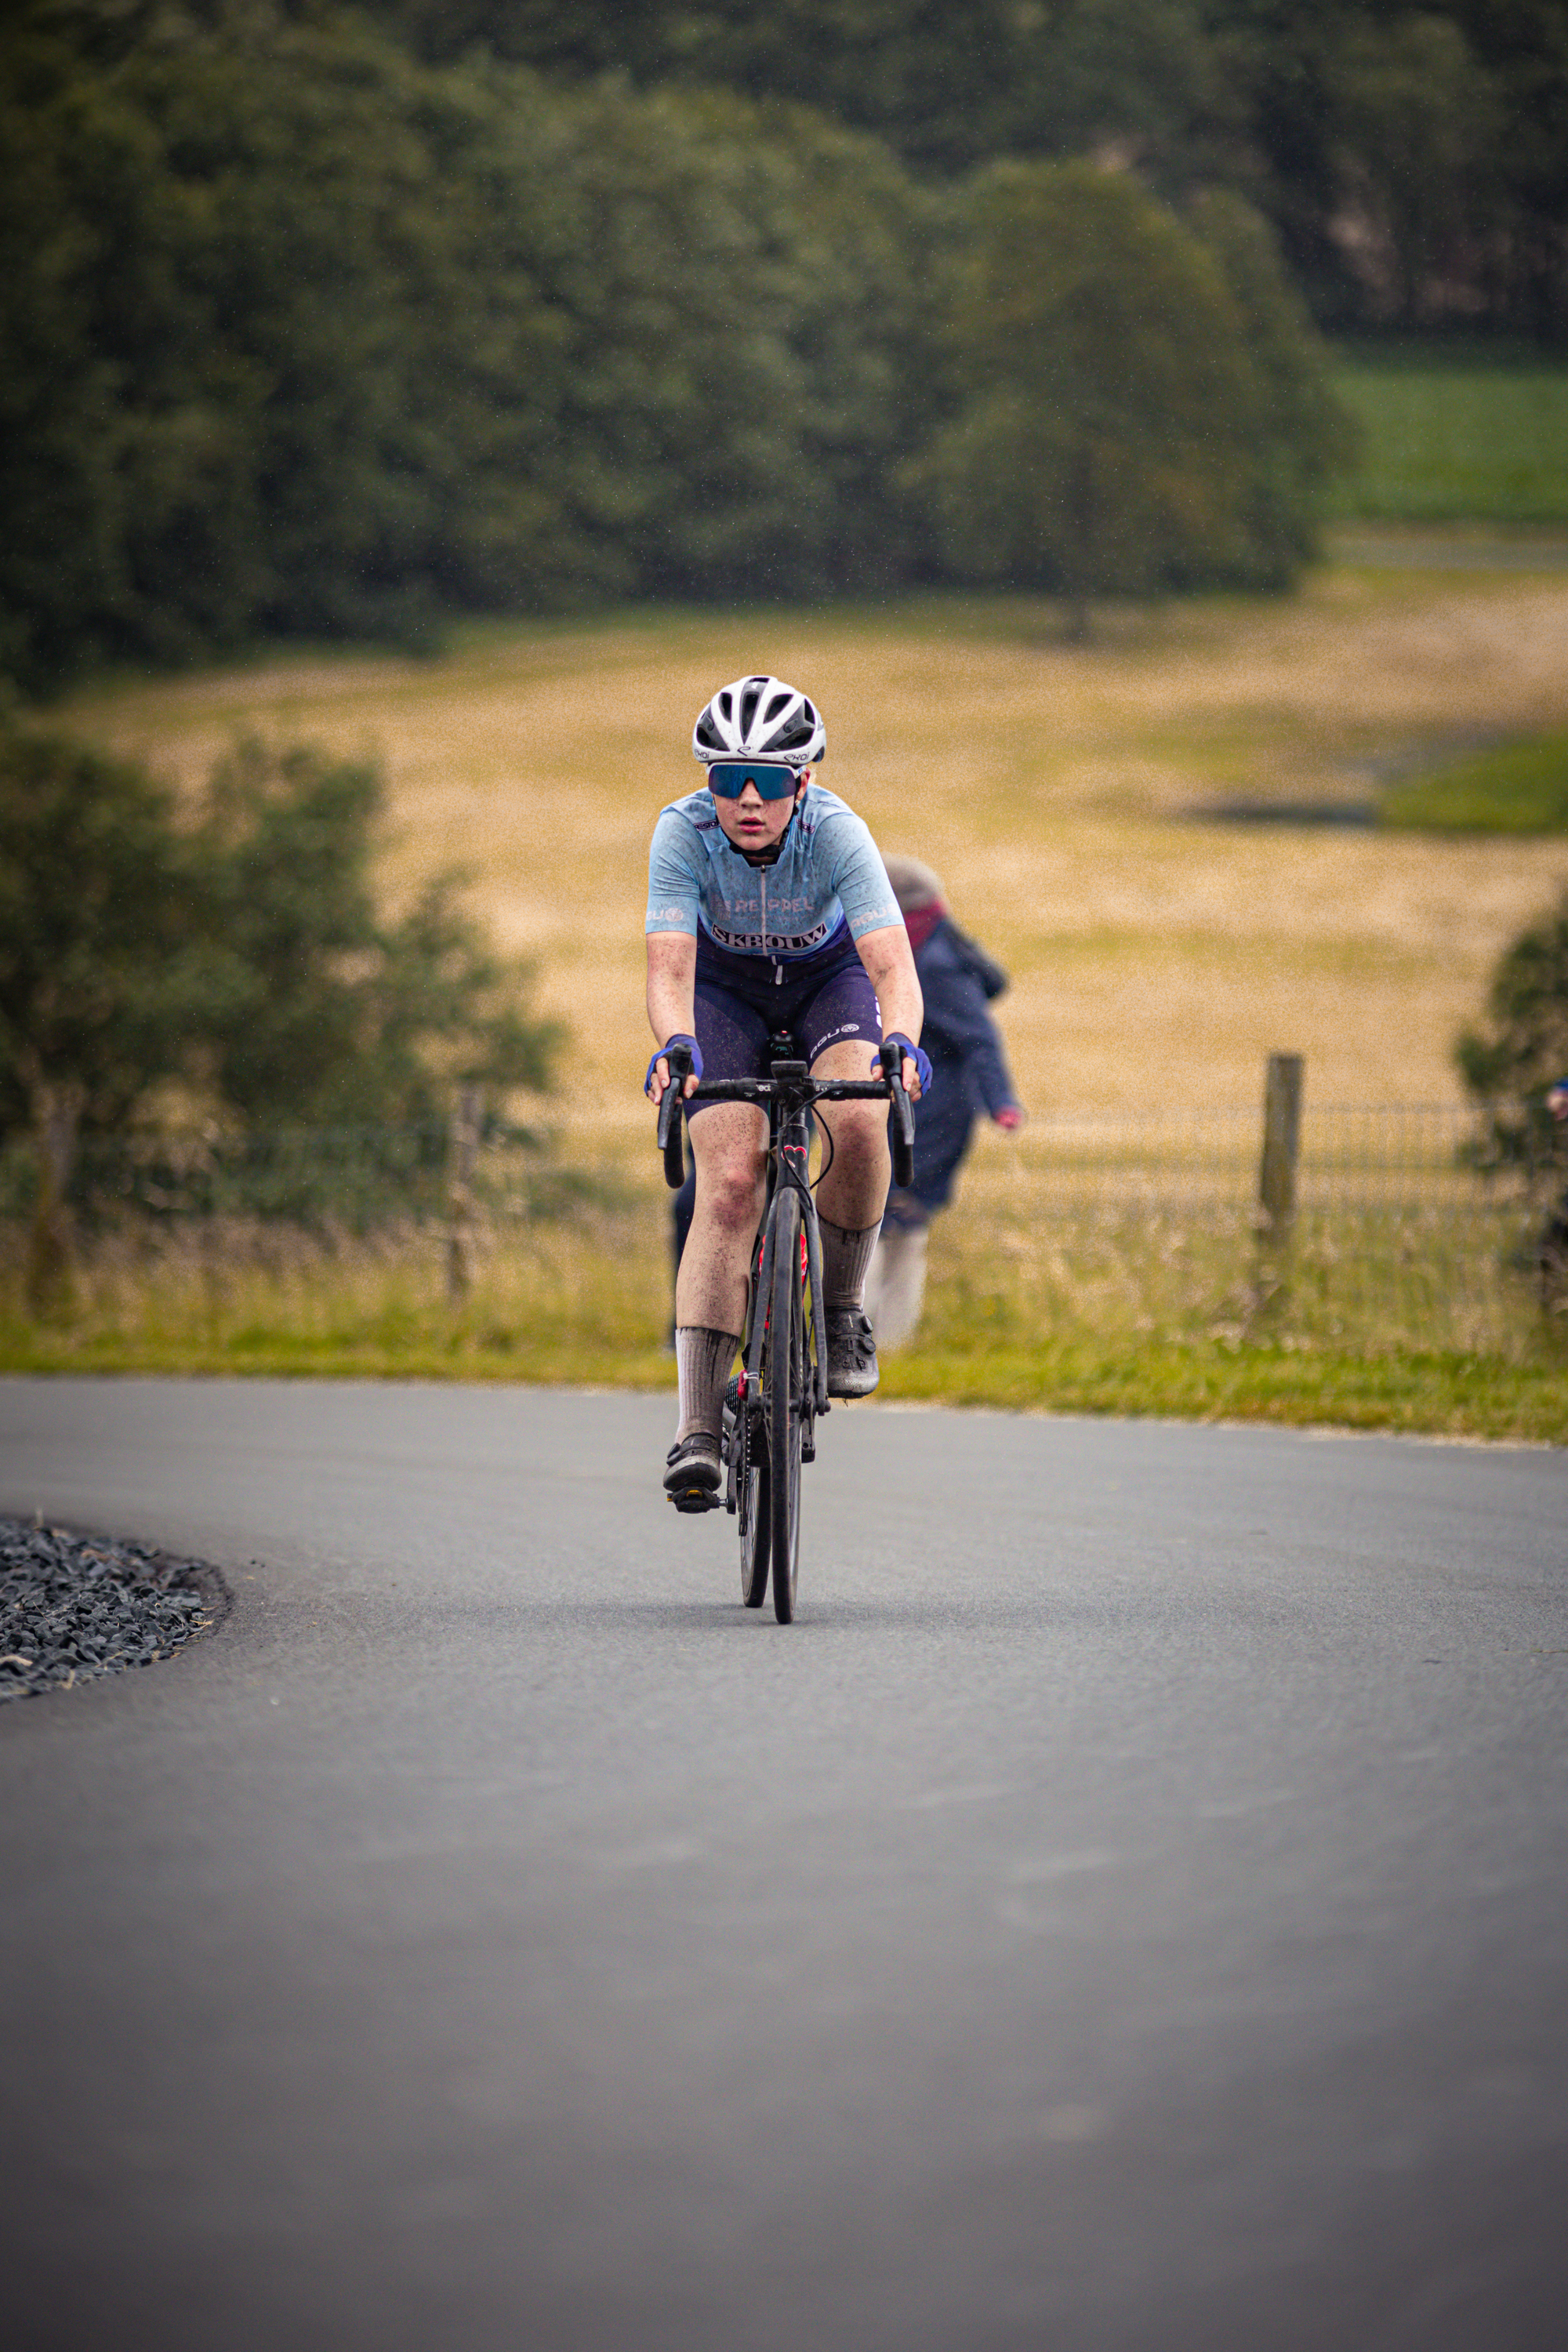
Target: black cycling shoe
(852, 1370)
(693, 1473)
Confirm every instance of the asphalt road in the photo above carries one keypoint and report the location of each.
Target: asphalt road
(1127, 1910)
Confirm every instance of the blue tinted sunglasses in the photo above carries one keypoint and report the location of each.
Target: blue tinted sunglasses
(729, 779)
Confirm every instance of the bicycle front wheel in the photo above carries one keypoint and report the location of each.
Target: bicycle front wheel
(752, 1505)
(785, 1393)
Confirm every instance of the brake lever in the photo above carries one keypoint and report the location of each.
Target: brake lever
(903, 1139)
(677, 1060)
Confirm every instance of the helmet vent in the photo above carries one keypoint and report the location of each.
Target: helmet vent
(749, 701)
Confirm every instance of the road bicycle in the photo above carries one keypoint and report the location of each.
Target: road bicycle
(773, 1402)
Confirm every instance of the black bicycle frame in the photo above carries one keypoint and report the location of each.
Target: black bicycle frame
(787, 1097)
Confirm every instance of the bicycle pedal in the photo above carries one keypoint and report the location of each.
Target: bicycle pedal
(697, 1499)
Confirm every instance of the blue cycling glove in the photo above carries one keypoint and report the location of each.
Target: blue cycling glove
(916, 1054)
(660, 1050)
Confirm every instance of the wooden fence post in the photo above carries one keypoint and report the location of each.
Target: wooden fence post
(1281, 1146)
(465, 1147)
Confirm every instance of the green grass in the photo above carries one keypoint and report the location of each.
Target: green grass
(1520, 788)
(1448, 1393)
(1104, 1314)
(1461, 439)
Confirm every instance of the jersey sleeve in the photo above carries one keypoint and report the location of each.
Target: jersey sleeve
(858, 874)
(674, 876)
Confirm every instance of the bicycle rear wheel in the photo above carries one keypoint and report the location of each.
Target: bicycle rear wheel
(784, 1387)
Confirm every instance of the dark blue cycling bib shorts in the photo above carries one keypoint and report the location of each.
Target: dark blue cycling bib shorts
(822, 999)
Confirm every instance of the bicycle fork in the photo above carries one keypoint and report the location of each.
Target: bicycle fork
(795, 1158)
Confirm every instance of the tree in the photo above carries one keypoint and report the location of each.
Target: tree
(946, 83)
(237, 956)
(1304, 434)
(298, 334)
(1432, 134)
(1122, 426)
(104, 962)
(321, 1011)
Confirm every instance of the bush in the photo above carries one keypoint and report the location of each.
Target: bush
(238, 956)
(1523, 1048)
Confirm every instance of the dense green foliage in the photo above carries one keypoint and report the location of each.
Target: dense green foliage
(302, 335)
(238, 955)
(102, 968)
(1414, 157)
(1140, 408)
(1523, 1048)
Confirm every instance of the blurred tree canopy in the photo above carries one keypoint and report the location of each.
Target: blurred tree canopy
(232, 949)
(1140, 408)
(1414, 159)
(300, 335)
(319, 1011)
(323, 320)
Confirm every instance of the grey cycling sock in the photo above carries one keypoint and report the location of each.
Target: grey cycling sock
(845, 1259)
(702, 1361)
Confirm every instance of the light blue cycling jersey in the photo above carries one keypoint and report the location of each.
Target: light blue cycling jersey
(829, 871)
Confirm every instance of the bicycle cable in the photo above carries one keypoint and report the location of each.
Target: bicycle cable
(827, 1155)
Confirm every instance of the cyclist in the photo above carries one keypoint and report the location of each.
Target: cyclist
(770, 910)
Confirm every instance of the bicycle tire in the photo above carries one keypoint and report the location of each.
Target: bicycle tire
(785, 1388)
(752, 1510)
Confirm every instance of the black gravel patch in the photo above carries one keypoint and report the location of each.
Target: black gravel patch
(75, 1606)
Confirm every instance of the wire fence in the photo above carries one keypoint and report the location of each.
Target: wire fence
(1405, 1225)
(1408, 1225)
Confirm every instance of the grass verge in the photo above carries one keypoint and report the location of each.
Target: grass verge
(1448, 1394)
(569, 1321)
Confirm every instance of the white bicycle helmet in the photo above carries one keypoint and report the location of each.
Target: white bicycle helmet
(760, 719)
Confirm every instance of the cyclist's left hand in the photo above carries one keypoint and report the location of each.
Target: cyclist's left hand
(916, 1070)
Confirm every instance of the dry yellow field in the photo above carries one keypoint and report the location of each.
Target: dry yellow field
(1155, 956)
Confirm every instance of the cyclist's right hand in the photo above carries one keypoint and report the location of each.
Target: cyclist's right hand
(657, 1076)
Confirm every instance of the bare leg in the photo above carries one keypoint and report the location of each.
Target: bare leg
(854, 1189)
(850, 1199)
(729, 1143)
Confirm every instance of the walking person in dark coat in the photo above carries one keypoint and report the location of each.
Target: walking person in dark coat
(970, 1076)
